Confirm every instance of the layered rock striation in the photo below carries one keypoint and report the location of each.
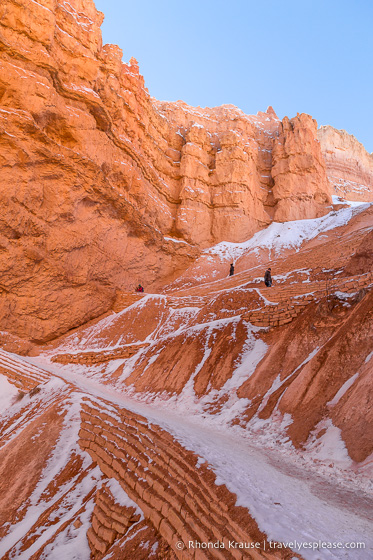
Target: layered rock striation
(349, 165)
(298, 352)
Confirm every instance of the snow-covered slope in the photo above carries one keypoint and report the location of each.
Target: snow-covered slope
(287, 235)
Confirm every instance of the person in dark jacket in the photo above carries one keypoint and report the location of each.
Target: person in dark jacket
(231, 270)
(268, 278)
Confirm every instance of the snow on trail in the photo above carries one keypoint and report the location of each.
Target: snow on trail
(288, 502)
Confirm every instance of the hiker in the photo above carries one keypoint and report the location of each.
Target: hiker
(231, 270)
(268, 278)
(139, 288)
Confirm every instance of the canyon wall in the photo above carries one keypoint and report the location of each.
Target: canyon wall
(83, 207)
(103, 186)
(349, 166)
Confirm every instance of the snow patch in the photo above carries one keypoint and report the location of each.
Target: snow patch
(254, 351)
(330, 446)
(176, 240)
(8, 393)
(122, 497)
(352, 203)
(288, 235)
(368, 358)
(345, 387)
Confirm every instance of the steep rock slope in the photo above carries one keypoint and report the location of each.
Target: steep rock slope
(301, 189)
(70, 234)
(103, 186)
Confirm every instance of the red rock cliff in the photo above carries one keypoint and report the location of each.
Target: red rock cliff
(301, 188)
(349, 165)
(95, 172)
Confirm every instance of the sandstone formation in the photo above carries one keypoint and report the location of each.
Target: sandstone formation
(130, 486)
(71, 233)
(349, 166)
(301, 189)
(101, 182)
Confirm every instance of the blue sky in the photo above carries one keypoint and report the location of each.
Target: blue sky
(298, 56)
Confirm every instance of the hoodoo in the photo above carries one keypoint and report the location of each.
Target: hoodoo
(207, 415)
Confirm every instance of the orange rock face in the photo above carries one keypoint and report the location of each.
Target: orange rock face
(301, 189)
(349, 165)
(100, 182)
(82, 206)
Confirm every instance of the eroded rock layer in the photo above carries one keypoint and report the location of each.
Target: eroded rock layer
(102, 186)
(287, 351)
